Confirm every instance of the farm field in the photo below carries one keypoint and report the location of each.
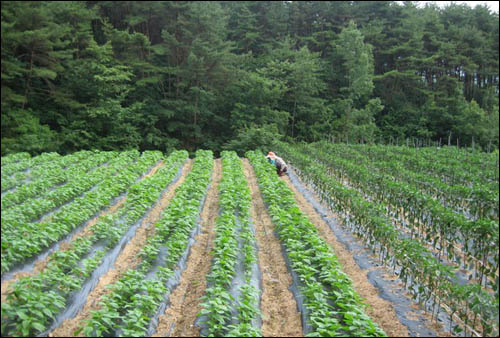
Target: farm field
(357, 240)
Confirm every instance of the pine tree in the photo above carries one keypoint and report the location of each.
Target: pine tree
(353, 68)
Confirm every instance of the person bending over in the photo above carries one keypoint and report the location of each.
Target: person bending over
(281, 167)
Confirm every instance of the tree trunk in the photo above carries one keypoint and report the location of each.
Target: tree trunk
(28, 80)
(196, 108)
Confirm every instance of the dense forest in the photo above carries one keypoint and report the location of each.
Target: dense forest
(237, 75)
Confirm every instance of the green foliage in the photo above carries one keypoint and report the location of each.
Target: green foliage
(356, 65)
(135, 298)
(25, 133)
(67, 270)
(234, 245)
(352, 72)
(299, 72)
(156, 75)
(363, 126)
(428, 193)
(254, 137)
(333, 307)
(472, 123)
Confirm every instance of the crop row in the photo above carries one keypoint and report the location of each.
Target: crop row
(27, 163)
(231, 302)
(134, 299)
(455, 166)
(428, 219)
(32, 306)
(33, 208)
(13, 158)
(332, 305)
(21, 240)
(476, 199)
(426, 276)
(55, 173)
(15, 173)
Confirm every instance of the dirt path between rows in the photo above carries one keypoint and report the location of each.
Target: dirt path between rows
(127, 259)
(381, 311)
(280, 317)
(185, 301)
(41, 265)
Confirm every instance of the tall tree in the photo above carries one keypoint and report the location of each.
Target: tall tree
(300, 71)
(36, 44)
(352, 68)
(242, 27)
(196, 60)
(159, 75)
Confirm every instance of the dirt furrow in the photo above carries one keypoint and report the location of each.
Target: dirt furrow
(127, 259)
(381, 311)
(280, 317)
(346, 258)
(42, 264)
(185, 301)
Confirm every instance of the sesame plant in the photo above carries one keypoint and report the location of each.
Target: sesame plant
(230, 305)
(67, 270)
(333, 307)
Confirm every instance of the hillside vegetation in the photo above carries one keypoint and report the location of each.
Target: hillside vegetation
(158, 75)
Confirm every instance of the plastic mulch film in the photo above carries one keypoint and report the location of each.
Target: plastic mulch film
(77, 299)
(239, 280)
(175, 280)
(387, 289)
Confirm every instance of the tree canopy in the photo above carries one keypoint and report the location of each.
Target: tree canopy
(241, 74)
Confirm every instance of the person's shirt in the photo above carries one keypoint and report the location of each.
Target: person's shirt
(271, 160)
(280, 162)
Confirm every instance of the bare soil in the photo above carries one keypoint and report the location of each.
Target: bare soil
(421, 314)
(128, 259)
(42, 264)
(185, 301)
(280, 317)
(381, 311)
